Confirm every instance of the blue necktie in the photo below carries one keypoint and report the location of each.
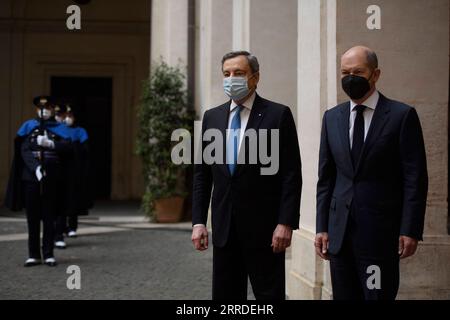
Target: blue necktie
(233, 140)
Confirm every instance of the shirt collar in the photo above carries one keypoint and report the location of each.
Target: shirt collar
(248, 104)
(371, 102)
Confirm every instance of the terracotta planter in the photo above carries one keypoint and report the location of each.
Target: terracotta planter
(169, 210)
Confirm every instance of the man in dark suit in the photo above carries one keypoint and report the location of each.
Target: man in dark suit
(253, 214)
(372, 188)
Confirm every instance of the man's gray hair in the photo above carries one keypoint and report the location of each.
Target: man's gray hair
(372, 59)
(252, 60)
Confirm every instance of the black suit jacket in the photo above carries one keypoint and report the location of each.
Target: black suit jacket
(387, 190)
(258, 202)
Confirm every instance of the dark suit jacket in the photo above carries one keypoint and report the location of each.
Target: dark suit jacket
(258, 202)
(387, 190)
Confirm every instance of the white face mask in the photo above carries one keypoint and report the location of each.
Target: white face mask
(69, 121)
(46, 114)
(59, 119)
(236, 87)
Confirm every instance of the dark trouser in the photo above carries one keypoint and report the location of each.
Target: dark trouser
(40, 207)
(64, 224)
(66, 220)
(353, 275)
(73, 222)
(61, 227)
(234, 264)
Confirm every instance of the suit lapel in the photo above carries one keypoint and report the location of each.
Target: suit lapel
(344, 126)
(222, 126)
(254, 120)
(379, 118)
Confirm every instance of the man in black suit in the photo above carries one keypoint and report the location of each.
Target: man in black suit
(253, 214)
(373, 183)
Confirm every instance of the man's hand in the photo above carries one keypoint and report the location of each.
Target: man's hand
(200, 237)
(321, 244)
(281, 238)
(407, 246)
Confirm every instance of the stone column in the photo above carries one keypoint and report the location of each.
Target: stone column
(309, 275)
(214, 38)
(241, 24)
(273, 39)
(169, 31)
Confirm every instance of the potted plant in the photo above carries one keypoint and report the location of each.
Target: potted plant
(163, 109)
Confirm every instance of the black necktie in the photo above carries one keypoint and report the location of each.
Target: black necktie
(358, 134)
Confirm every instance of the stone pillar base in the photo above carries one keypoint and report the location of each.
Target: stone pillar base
(300, 288)
(308, 277)
(426, 274)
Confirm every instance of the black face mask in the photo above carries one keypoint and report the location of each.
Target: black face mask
(355, 87)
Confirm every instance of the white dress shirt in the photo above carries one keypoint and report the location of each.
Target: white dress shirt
(245, 114)
(371, 104)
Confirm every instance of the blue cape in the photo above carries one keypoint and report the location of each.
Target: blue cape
(52, 126)
(79, 134)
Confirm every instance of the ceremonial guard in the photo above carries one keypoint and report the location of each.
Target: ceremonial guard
(40, 146)
(77, 192)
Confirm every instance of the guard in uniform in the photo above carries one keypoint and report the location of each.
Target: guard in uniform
(81, 187)
(77, 196)
(62, 206)
(34, 179)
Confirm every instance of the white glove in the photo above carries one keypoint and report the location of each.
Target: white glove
(39, 174)
(45, 142)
